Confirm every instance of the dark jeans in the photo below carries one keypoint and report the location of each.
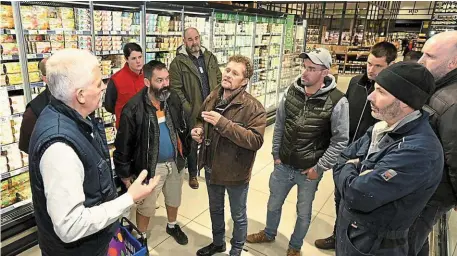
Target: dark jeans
(237, 196)
(337, 207)
(423, 225)
(192, 160)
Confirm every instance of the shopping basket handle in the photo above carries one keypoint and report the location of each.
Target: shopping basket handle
(133, 227)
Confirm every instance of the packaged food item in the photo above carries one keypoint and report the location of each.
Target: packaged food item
(9, 49)
(42, 24)
(5, 184)
(56, 37)
(7, 23)
(32, 66)
(34, 77)
(6, 11)
(17, 104)
(20, 179)
(12, 67)
(4, 38)
(65, 13)
(57, 45)
(43, 47)
(68, 24)
(14, 79)
(40, 12)
(6, 135)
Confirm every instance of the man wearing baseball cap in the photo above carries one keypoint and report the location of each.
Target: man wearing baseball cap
(311, 130)
(388, 175)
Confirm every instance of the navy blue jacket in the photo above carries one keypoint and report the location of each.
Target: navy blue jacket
(386, 191)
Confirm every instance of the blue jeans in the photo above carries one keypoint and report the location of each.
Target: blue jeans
(283, 178)
(192, 160)
(237, 196)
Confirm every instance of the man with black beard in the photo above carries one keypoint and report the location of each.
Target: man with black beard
(152, 136)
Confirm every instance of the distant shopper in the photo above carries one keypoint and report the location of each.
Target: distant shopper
(126, 82)
(33, 110)
(381, 56)
(194, 73)
(413, 56)
(440, 57)
(75, 201)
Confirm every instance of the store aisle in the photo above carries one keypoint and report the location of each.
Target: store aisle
(195, 219)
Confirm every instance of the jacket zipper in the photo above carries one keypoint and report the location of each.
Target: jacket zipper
(147, 153)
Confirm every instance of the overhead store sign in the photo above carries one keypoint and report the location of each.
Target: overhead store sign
(289, 40)
(225, 16)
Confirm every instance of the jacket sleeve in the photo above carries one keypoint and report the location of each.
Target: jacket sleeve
(218, 72)
(177, 85)
(110, 97)
(28, 123)
(447, 130)
(340, 136)
(249, 137)
(125, 145)
(279, 127)
(400, 172)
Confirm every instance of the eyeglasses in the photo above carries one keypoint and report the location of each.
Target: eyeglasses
(311, 69)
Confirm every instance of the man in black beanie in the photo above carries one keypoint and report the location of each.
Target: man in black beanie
(388, 175)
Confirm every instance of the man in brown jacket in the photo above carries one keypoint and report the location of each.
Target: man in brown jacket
(230, 131)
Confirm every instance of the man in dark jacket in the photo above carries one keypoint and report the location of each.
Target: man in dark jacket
(33, 110)
(230, 130)
(194, 73)
(153, 135)
(387, 176)
(75, 201)
(381, 56)
(126, 82)
(311, 130)
(440, 57)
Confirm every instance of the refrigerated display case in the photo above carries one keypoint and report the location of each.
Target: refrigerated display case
(199, 18)
(224, 34)
(274, 62)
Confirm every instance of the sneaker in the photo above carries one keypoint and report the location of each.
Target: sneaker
(260, 237)
(193, 182)
(293, 252)
(210, 250)
(326, 243)
(178, 235)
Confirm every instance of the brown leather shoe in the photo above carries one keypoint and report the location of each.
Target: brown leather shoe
(293, 252)
(193, 182)
(258, 238)
(326, 243)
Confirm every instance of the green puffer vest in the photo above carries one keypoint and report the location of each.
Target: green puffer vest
(307, 127)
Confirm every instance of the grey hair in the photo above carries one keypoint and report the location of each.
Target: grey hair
(69, 70)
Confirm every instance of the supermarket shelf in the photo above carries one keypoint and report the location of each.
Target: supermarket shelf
(15, 206)
(114, 33)
(13, 173)
(260, 45)
(38, 84)
(56, 32)
(14, 87)
(38, 55)
(106, 77)
(10, 116)
(10, 57)
(169, 33)
(260, 70)
(224, 34)
(108, 52)
(349, 64)
(8, 31)
(159, 50)
(7, 145)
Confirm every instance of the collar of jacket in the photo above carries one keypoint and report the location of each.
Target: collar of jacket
(448, 79)
(183, 50)
(405, 128)
(364, 81)
(127, 69)
(147, 100)
(62, 108)
(236, 98)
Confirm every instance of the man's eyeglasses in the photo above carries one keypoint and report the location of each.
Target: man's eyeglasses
(311, 69)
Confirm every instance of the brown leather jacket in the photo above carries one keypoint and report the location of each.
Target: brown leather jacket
(234, 140)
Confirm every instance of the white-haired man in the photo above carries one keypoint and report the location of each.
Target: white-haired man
(74, 196)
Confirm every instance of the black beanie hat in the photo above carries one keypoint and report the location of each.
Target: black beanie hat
(409, 82)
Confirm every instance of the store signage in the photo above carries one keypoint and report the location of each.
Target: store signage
(289, 40)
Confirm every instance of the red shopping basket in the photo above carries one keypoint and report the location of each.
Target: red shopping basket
(126, 244)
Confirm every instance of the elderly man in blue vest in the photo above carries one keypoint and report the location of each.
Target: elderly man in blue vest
(74, 196)
(311, 130)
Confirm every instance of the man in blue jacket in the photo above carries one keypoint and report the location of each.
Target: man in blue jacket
(387, 176)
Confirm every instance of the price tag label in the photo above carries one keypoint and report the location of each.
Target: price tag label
(78, 32)
(123, 32)
(31, 55)
(12, 31)
(114, 32)
(33, 32)
(105, 52)
(42, 32)
(105, 32)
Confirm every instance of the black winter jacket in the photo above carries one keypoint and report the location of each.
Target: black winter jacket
(443, 120)
(137, 140)
(360, 118)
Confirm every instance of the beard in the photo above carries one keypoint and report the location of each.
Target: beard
(387, 113)
(305, 84)
(160, 94)
(193, 48)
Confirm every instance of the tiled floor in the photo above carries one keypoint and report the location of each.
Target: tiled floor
(195, 219)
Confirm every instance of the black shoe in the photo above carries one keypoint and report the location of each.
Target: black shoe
(328, 243)
(210, 250)
(178, 235)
